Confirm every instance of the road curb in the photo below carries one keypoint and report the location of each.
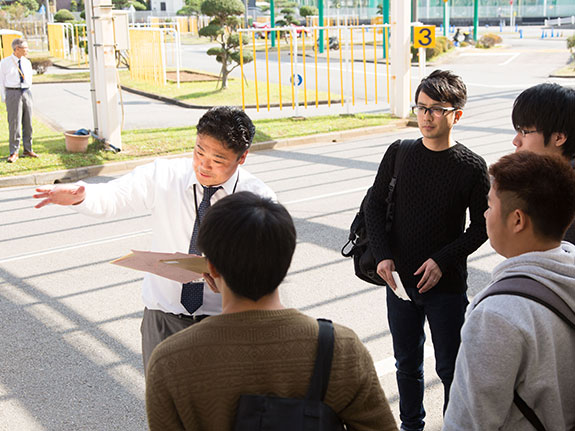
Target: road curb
(73, 175)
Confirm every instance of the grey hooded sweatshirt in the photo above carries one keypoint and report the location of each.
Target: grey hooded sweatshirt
(512, 343)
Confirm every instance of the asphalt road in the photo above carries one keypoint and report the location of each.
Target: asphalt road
(69, 339)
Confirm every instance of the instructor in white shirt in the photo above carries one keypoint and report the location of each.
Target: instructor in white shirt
(173, 190)
(15, 83)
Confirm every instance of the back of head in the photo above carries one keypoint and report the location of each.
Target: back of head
(549, 108)
(444, 86)
(543, 186)
(229, 125)
(250, 241)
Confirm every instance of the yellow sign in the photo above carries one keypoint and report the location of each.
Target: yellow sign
(424, 36)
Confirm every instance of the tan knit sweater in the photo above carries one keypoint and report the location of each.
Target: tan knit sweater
(195, 377)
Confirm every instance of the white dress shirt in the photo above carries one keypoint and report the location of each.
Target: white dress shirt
(166, 188)
(10, 76)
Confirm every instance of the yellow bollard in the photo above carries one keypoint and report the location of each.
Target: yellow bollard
(352, 69)
(328, 82)
(315, 57)
(304, 74)
(255, 70)
(292, 75)
(341, 67)
(242, 71)
(364, 63)
(279, 67)
(267, 70)
(375, 60)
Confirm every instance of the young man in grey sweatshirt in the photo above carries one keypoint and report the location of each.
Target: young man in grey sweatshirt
(510, 343)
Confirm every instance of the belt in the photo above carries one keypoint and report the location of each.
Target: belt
(194, 319)
(17, 88)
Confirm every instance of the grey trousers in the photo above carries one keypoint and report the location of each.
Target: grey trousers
(156, 327)
(19, 108)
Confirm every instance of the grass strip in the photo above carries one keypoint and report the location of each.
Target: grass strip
(50, 145)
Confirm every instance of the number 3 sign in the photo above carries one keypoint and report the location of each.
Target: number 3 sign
(424, 36)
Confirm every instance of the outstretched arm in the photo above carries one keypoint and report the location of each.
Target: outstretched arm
(68, 194)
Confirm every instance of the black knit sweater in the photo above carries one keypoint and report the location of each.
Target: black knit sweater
(433, 192)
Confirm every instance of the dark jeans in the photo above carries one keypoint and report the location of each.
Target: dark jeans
(445, 313)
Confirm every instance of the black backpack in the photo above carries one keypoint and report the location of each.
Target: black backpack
(270, 413)
(528, 288)
(363, 261)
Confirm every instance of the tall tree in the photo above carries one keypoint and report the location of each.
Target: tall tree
(223, 29)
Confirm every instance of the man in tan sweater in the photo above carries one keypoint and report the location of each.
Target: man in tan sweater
(256, 346)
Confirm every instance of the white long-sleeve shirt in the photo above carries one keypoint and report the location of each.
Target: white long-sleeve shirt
(10, 76)
(166, 188)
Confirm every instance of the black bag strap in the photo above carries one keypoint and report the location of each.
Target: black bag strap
(399, 157)
(322, 368)
(531, 289)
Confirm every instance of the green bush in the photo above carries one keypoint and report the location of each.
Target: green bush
(571, 44)
(63, 15)
(442, 44)
(488, 40)
(308, 11)
(138, 6)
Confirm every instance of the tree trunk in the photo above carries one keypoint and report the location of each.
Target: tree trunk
(225, 71)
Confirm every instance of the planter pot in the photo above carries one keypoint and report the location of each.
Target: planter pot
(76, 143)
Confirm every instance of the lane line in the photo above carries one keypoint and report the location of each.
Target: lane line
(74, 246)
(327, 195)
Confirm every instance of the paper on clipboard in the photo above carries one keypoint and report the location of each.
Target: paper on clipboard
(197, 264)
(151, 262)
(400, 291)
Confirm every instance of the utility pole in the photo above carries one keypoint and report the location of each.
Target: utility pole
(400, 57)
(320, 23)
(475, 18)
(103, 79)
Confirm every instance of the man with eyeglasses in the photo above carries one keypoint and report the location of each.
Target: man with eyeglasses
(428, 244)
(544, 118)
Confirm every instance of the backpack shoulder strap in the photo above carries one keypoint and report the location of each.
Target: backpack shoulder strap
(322, 368)
(528, 288)
(402, 150)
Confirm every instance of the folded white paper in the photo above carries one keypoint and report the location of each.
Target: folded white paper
(400, 291)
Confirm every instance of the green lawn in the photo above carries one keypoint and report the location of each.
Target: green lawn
(50, 145)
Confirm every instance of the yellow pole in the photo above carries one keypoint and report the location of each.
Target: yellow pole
(387, 59)
(364, 63)
(341, 67)
(85, 39)
(328, 83)
(279, 68)
(315, 57)
(304, 74)
(242, 70)
(267, 70)
(77, 43)
(352, 69)
(375, 61)
(255, 70)
(291, 64)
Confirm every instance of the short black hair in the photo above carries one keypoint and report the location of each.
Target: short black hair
(445, 87)
(549, 108)
(543, 186)
(250, 240)
(229, 125)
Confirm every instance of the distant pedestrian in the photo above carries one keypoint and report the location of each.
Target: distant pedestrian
(256, 346)
(428, 245)
(512, 346)
(544, 118)
(15, 83)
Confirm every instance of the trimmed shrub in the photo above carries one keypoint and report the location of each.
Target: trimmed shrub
(488, 40)
(63, 15)
(40, 64)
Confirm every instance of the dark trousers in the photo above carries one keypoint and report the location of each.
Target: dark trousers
(445, 313)
(157, 326)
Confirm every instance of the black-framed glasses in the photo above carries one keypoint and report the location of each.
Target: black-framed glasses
(524, 132)
(435, 111)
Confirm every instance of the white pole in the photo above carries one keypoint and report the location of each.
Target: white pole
(422, 63)
(92, 61)
(400, 57)
(347, 80)
(296, 89)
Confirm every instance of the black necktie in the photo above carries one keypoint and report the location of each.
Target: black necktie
(21, 71)
(193, 293)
